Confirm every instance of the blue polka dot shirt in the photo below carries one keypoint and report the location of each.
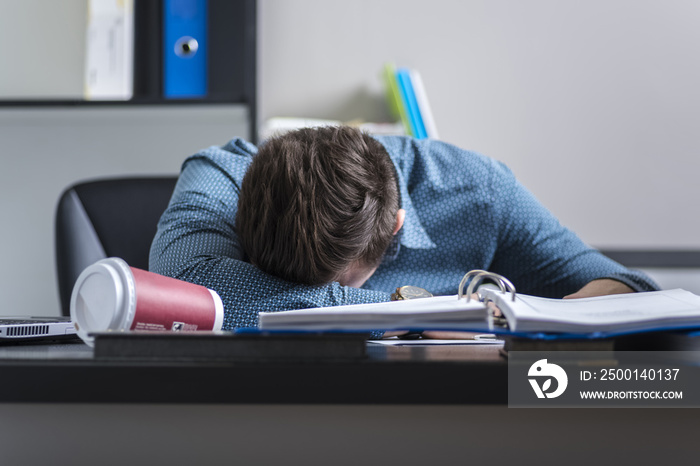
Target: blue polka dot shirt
(464, 211)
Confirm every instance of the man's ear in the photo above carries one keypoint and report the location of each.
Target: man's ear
(400, 217)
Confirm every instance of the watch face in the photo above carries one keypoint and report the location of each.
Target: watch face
(413, 292)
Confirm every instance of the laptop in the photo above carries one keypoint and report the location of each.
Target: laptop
(26, 328)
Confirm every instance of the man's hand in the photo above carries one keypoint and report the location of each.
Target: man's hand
(437, 334)
(394, 333)
(601, 287)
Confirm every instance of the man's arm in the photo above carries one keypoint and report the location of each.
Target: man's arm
(196, 242)
(542, 257)
(601, 287)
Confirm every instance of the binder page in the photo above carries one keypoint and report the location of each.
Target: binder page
(436, 312)
(613, 313)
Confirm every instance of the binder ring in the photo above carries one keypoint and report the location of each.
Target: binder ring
(477, 277)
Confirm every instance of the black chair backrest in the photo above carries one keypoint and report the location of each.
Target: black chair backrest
(106, 218)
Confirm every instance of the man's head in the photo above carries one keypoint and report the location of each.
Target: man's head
(319, 205)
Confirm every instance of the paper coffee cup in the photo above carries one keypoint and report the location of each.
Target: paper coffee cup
(110, 295)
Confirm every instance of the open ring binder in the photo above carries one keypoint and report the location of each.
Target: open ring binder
(477, 277)
(499, 310)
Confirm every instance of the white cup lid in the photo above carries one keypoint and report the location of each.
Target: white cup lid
(101, 298)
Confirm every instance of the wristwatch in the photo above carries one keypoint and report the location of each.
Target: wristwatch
(410, 292)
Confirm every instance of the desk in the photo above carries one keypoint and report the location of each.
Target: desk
(397, 375)
(116, 413)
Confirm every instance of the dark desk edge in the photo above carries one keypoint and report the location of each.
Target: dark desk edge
(245, 383)
(654, 258)
(70, 373)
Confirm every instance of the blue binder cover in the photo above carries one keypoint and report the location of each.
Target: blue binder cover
(404, 79)
(184, 49)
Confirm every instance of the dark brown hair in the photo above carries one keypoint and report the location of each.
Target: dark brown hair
(316, 200)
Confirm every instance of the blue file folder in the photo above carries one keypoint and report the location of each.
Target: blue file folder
(184, 49)
(404, 79)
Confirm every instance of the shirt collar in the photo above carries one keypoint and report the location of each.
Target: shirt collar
(412, 234)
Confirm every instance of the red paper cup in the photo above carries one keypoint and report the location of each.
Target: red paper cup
(110, 295)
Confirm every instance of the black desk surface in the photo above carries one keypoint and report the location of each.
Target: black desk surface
(69, 372)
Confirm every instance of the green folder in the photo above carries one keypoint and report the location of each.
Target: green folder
(394, 100)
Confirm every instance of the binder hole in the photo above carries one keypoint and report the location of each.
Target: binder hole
(186, 47)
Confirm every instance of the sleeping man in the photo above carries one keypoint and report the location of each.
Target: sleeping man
(329, 216)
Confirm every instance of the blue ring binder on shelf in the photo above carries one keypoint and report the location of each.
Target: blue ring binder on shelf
(185, 49)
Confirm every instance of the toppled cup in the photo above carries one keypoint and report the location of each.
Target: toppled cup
(110, 295)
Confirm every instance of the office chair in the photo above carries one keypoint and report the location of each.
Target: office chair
(106, 218)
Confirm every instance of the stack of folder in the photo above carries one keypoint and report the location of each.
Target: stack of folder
(408, 101)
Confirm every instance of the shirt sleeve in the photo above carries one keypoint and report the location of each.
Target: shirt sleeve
(196, 242)
(539, 255)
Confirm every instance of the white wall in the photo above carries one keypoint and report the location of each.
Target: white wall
(593, 104)
(42, 48)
